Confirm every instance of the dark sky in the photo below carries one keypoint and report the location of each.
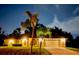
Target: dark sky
(63, 16)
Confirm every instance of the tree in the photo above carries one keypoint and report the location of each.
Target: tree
(40, 30)
(76, 42)
(16, 33)
(2, 37)
(28, 31)
(33, 20)
(56, 32)
(25, 24)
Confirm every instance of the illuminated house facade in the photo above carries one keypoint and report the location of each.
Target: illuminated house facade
(46, 42)
(41, 32)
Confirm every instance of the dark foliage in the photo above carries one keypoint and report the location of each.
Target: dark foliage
(76, 42)
(56, 33)
(16, 33)
(2, 37)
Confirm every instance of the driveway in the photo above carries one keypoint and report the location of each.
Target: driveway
(62, 51)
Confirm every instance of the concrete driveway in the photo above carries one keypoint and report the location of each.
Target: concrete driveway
(62, 51)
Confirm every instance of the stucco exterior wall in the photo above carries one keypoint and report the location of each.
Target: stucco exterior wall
(46, 42)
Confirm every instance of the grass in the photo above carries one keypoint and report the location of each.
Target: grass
(22, 51)
(75, 49)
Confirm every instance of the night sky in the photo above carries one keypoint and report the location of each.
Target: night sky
(62, 16)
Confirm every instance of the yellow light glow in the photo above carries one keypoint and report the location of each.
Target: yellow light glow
(10, 42)
(24, 41)
(63, 40)
(40, 40)
(30, 40)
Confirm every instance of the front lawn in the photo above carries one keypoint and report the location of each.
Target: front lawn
(22, 51)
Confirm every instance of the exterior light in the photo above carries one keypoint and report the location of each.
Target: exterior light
(40, 43)
(63, 39)
(40, 40)
(63, 42)
(10, 42)
(24, 41)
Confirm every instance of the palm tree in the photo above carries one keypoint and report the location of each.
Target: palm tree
(33, 20)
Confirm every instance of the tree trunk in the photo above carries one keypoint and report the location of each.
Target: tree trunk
(32, 38)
